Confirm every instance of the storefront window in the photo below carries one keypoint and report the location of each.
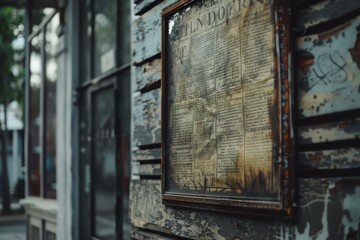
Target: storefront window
(34, 116)
(105, 36)
(42, 110)
(50, 109)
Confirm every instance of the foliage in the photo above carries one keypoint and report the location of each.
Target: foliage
(11, 59)
(11, 75)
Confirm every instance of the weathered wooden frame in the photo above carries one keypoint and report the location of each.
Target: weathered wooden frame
(283, 206)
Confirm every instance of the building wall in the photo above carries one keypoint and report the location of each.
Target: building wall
(325, 36)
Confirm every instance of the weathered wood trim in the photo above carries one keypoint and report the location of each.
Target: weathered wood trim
(296, 4)
(327, 70)
(146, 118)
(146, 154)
(141, 234)
(146, 169)
(323, 11)
(332, 131)
(147, 33)
(345, 158)
(146, 74)
(148, 212)
(145, 5)
(327, 203)
(327, 208)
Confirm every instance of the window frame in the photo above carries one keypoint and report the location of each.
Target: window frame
(121, 65)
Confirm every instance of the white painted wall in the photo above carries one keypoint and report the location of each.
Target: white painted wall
(63, 141)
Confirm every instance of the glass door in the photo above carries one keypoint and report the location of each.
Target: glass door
(103, 97)
(103, 164)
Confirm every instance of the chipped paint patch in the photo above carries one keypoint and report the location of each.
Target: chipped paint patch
(330, 84)
(330, 132)
(331, 159)
(305, 235)
(351, 206)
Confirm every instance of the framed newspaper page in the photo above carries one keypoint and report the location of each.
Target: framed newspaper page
(226, 106)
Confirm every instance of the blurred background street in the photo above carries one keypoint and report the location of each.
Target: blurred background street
(12, 227)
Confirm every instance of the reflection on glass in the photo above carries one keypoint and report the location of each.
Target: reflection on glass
(105, 35)
(34, 116)
(125, 116)
(85, 40)
(50, 109)
(125, 32)
(38, 15)
(104, 167)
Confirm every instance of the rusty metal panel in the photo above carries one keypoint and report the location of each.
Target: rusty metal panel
(328, 70)
(146, 118)
(342, 158)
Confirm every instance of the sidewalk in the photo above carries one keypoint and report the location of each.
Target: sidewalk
(12, 227)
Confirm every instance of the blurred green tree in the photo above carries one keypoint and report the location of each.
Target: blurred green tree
(11, 82)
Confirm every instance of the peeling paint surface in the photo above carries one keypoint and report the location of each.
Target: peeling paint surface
(327, 208)
(323, 11)
(351, 218)
(146, 74)
(147, 211)
(147, 33)
(147, 154)
(146, 118)
(324, 204)
(330, 81)
(331, 159)
(330, 132)
(143, 5)
(328, 73)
